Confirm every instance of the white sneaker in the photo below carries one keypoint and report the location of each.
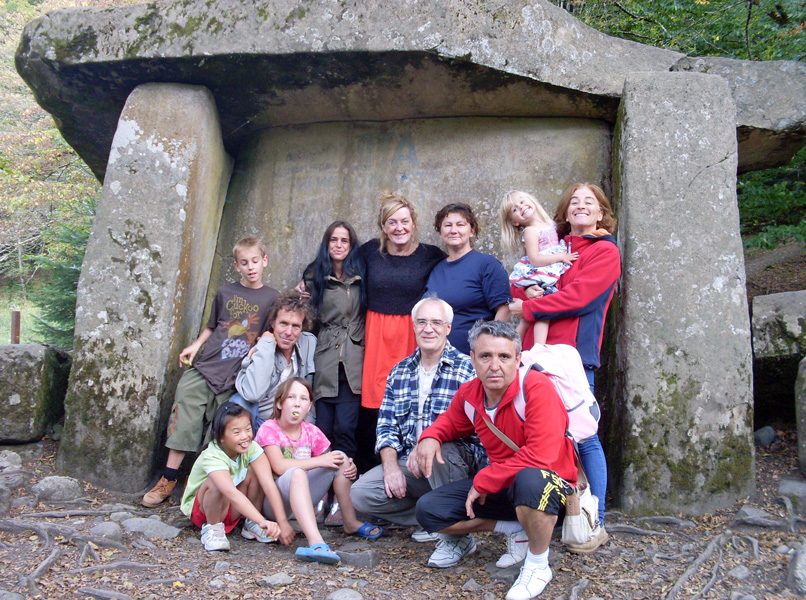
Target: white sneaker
(214, 537)
(451, 549)
(530, 583)
(517, 545)
(253, 531)
(421, 536)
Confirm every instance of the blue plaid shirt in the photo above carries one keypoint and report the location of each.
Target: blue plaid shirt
(397, 418)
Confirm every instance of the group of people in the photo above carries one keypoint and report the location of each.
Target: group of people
(412, 360)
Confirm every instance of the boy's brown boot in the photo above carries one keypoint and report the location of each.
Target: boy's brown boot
(159, 494)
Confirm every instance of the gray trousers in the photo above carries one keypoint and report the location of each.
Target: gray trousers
(369, 495)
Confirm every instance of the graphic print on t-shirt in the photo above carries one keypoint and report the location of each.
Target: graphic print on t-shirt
(244, 320)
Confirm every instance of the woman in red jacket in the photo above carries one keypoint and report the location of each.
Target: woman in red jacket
(577, 310)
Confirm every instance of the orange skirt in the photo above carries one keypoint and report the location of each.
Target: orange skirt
(388, 340)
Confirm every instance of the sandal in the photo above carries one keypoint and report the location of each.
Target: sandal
(320, 553)
(365, 531)
(333, 518)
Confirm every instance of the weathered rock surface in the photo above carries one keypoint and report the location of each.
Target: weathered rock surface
(335, 61)
(796, 579)
(682, 433)
(57, 488)
(33, 381)
(779, 342)
(143, 287)
(329, 170)
(795, 490)
(779, 325)
(800, 411)
(150, 528)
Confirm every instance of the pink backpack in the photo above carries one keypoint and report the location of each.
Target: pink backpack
(563, 366)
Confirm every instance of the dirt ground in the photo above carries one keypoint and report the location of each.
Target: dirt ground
(644, 559)
(773, 271)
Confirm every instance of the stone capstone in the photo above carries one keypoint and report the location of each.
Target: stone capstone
(682, 438)
(142, 290)
(778, 113)
(284, 64)
(33, 381)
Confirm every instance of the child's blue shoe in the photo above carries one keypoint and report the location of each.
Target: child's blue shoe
(318, 553)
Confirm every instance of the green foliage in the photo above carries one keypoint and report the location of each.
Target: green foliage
(66, 239)
(747, 29)
(772, 204)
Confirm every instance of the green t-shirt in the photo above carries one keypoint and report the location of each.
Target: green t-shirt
(213, 458)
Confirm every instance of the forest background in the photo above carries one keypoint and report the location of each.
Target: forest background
(48, 195)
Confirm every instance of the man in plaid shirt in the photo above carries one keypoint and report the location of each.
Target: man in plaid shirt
(419, 388)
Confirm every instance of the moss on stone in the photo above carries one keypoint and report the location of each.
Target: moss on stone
(83, 41)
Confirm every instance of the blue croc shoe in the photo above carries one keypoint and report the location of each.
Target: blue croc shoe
(318, 553)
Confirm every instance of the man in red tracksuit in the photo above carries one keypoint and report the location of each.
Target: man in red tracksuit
(519, 489)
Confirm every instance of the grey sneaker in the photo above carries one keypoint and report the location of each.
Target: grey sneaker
(451, 549)
(253, 531)
(214, 537)
(421, 536)
(517, 545)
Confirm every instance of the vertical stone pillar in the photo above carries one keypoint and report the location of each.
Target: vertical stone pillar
(681, 436)
(144, 281)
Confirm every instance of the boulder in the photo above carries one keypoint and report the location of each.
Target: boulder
(33, 381)
(144, 281)
(681, 438)
(779, 342)
(284, 64)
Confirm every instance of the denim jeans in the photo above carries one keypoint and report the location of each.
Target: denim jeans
(593, 460)
(252, 409)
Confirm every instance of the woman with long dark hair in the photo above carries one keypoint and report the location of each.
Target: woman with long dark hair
(335, 282)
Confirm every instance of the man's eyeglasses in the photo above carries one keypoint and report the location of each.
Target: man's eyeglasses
(435, 323)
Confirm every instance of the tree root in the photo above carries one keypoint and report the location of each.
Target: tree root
(661, 519)
(98, 540)
(44, 566)
(720, 540)
(579, 587)
(104, 594)
(66, 514)
(712, 581)
(634, 530)
(87, 549)
(168, 580)
(115, 566)
(792, 517)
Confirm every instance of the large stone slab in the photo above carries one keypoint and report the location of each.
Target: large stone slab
(286, 63)
(779, 342)
(143, 284)
(682, 437)
(33, 381)
(800, 409)
(290, 183)
(769, 124)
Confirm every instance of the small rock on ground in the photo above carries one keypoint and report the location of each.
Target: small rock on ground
(57, 488)
(108, 529)
(741, 572)
(368, 559)
(151, 528)
(276, 580)
(345, 594)
(764, 437)
(4, 595)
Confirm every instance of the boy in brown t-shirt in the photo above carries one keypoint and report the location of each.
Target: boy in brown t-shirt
(238, 318)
